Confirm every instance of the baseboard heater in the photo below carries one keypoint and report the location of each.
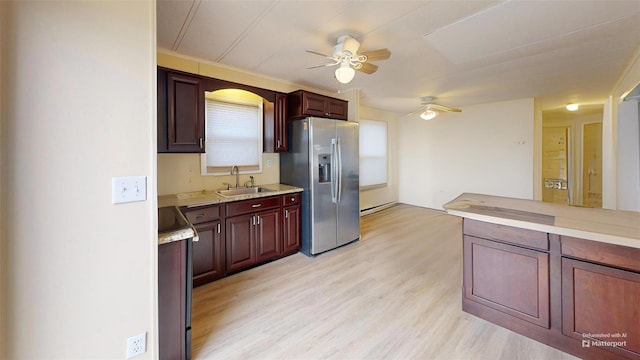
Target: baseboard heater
(377, 208)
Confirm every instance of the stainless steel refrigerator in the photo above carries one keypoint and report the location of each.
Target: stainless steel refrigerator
(323, 160)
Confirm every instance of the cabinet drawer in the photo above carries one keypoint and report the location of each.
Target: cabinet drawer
(247, 206)
(203, 215)
(608, 254)
(507, 234)
(291, 199)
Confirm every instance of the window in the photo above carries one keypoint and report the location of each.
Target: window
(233, 134)
(373, 153)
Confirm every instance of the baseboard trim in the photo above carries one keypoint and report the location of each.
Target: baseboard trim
(375, 209)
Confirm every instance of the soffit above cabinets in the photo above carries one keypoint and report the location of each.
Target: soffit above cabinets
(464, 52)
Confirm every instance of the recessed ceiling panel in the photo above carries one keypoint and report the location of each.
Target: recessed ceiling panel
(516, 24)
(171, 17)
(283, 34)
(219, 25)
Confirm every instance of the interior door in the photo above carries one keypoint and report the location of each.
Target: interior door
(555, 161)
(592, 165)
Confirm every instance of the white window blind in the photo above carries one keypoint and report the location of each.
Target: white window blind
(373, 152)
(233, 135)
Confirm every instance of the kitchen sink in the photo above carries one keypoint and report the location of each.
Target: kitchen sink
(243, 191)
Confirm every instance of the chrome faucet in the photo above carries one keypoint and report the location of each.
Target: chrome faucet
(234, 170)
(250, 181)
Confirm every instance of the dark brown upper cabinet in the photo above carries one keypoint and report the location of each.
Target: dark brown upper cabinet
(275, 124)
(180, 112)
(303, 103)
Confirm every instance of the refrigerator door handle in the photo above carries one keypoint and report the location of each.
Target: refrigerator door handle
(335, 165)
(339, 175)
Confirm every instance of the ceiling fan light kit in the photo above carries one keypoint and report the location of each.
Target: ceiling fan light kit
(345, 54)
(573, 107)
(430, 109)
(344, 74)
(428, 114)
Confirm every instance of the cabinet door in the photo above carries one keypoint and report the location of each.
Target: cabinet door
(600, 304)
(291, 229)
(280, 124)
(208, 253)
(275, 124)
(240, 241)
(507, 278)
(268, 241)
(185, 106)
(314, 104)
(172, 301)
(337, 109)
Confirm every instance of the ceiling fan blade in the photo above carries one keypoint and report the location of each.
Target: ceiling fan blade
(375, 55)
(319, 66)
(349, 44)
(318, 53)
(368, 68)
(443, 108)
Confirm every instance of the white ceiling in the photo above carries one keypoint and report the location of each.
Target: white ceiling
(462, 52)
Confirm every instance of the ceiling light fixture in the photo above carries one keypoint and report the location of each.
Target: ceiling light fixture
(345, 73)
(572, 107)
(428, 114)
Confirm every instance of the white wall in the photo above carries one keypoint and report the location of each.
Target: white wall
(485, 149)
(80, 271)
(388, 194)
(3, 162)
(615, 151)
(628, 162)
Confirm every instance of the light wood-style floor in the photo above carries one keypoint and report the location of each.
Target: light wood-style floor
(394, 294)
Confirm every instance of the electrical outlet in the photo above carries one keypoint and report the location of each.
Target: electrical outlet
(136, 345)
(269, 163)
(128, 189)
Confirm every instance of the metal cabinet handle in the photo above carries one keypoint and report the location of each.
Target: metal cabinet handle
(278, 144)
(254, 219)
(258, 216)
(256, 205)
(218, 228)
(286, 213)
(201, 140)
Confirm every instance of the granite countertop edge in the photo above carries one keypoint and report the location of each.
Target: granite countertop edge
(618, 227)
(207, 198)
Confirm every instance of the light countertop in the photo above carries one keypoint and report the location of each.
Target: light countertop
(604, 225)
(173, 226)
(210, 197)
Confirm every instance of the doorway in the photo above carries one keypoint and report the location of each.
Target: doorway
(592, 165)
(572, 156)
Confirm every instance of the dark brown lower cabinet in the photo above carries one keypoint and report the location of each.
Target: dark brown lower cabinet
(268, 240)
(174, 300)
(291, 234)
(208, 253)
(241, 234)
(577, 295)
(601, 306)
(508, 278)
(252, 239)
(241, 252)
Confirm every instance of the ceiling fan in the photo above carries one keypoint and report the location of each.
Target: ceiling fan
(345, 53)
(431, 109)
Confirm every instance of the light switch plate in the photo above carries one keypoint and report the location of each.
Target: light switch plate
(128, 189)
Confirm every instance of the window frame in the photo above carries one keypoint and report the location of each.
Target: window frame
(206, 170)
(363, 141)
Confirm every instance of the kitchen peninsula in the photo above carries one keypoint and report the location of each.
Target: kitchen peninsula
(566, 276)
